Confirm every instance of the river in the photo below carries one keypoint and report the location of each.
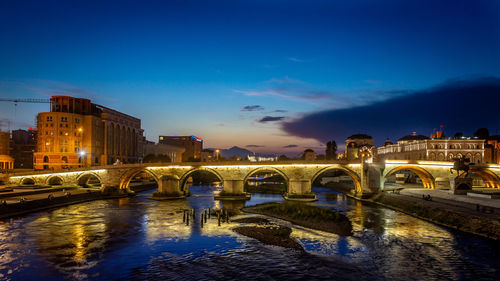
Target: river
(140, 239)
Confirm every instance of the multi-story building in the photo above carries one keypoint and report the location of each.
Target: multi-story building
(6, 162)
(154, 151)
(192, 145)
(77, 132)
(358, 146)
(419, 147)
(23, 145)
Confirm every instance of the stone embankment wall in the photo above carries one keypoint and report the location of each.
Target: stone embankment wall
(476, 224)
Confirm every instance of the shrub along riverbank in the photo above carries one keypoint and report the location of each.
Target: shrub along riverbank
(305, 215)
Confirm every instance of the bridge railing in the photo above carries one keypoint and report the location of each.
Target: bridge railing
(189, 164)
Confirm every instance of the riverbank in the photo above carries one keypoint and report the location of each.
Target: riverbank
(438, 213)
(58, 200)
(305, 215)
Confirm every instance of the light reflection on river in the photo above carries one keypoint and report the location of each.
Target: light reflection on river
(137, 238)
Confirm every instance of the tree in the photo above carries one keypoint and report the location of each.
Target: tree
(283, 158)
(331, 150)
(482, 133)
(458, 135)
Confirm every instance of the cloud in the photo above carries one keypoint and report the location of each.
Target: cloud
(266, 119)
(280, 111)
(252, 108)
(295, 59)
(299, 91)
(290, 146)
(461, 105)
(254, 145)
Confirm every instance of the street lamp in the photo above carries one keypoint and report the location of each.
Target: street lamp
(217, 154)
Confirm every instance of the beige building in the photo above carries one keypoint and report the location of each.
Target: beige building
(419, 147)
(156, 149)
(6, 162)
(358, 146)
(78, 133)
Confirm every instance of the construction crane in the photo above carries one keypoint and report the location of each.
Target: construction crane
(16, 101)
(27, 100)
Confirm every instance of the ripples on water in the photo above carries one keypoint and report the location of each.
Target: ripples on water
(136, 238)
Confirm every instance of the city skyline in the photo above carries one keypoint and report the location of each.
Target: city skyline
(294, 75)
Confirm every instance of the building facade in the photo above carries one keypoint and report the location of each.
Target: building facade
(22, 148)
(419, 147)
(192, 145)
(6, 161)
(153, 150)
(358, 146)
(79, 133)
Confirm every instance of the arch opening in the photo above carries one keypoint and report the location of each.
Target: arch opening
(337, 178)
(28, 181)
(139, 180)
(265, 180)
(89, 181)
(55, 180)
(484, 178)
(409, 177)
(199, 180)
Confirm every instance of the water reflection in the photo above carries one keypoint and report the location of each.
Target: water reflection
(143, 239)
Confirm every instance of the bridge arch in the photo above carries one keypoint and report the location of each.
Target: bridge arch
(129, 175)
(28, 181)
(489, 178)
(187, 174)
(426, 177)
(352, 174)
(271, 169)
(264, 168)
(83, 179)
(54, 180)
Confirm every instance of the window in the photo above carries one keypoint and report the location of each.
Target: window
(77, 149)
(64, 119)
(77, 120)
(46, 124)
(63, 142)
(64, 149)
(52, 125)
(49, 118)
(77, 143)
(51, 133)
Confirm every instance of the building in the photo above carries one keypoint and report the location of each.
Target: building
(6, 162)
(77, 132)
(22, 148)
(309, 155)
(419, 147)
(358, 146)
(156, 152)
(192, 145)
(207, 155)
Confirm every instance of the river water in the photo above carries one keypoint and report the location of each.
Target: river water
(140, 239)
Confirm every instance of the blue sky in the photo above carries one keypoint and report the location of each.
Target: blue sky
(191, 67)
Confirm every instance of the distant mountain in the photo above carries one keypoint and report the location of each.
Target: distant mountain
(237, 152)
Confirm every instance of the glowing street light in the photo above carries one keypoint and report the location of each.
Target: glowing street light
(217, 154)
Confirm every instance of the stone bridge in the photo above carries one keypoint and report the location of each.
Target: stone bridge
(368, 178)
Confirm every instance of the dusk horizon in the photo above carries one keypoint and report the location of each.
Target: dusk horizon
(236, 73)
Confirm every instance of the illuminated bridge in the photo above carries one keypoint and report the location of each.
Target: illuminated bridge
(368, 178)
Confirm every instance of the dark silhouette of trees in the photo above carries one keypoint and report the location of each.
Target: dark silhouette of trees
(331, 150)
(482, 133)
